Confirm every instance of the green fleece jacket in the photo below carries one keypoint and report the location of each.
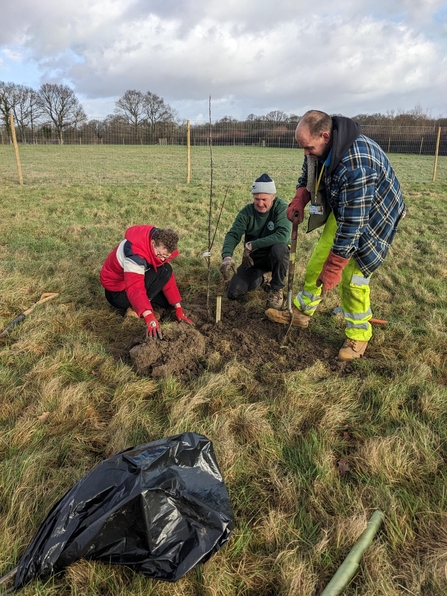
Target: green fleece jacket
(263, 230)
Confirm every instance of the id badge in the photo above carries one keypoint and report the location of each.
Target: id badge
(316, 209)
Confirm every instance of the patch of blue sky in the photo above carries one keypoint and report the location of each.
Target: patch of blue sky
(16, 66)
(19, 66)
(378, 15)
(58, 64)
(441, 14)
(440, 19)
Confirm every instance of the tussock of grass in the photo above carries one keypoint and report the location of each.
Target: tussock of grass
(404, 455)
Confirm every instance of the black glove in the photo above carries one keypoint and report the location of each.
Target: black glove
(226, 267)
(246, 258)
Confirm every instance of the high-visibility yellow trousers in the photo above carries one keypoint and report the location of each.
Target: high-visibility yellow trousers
(353, 289)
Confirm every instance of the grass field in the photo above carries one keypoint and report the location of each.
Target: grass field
(307, 452)
(154, 164)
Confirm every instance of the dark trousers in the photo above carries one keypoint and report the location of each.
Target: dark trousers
(154, 282)
(246, 279)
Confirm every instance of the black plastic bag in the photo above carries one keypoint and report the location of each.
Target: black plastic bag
(159, 508)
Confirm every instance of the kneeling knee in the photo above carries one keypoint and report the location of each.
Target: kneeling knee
(279, 250)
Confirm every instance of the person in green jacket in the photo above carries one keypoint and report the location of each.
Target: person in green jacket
(266, 231)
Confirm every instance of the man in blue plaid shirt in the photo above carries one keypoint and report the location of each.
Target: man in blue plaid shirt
(353, 191)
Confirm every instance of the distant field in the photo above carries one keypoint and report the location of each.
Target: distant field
(308, 449)
(154, 164)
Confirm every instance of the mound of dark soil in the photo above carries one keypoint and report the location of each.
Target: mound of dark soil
(178, 352)
(244, 334)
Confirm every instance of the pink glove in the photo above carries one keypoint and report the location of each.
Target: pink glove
(153, 326)
(295, 210)
(181, 316)
(330, 275)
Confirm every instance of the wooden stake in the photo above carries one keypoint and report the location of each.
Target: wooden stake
(16, 148)
(218, 308)
(188, 151)
(436, 154)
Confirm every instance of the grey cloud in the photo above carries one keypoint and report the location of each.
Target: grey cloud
(263, 56)
(46, 17)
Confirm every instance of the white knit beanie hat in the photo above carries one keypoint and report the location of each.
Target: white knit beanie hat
(263, 184)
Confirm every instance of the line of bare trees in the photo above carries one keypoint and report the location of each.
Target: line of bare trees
(53, 114)
(52, 106)
(413, 117)
(55, 110)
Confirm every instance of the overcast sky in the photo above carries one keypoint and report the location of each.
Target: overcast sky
(347, 57)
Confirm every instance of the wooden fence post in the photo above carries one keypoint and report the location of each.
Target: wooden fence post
(188, 151)
(16, 148)
(436, 154)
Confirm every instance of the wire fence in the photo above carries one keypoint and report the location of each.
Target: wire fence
(392, 137)
(240, 153)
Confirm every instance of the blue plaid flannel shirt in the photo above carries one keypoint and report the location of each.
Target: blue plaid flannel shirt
(365, 196)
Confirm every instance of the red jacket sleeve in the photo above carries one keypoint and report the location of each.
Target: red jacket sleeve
(171, 291)
(136, 292)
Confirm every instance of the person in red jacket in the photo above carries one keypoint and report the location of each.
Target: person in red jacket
(137, 273)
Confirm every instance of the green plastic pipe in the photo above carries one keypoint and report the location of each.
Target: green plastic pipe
(348, 568)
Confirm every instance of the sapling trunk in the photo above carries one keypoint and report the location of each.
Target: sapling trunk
(210, 213)
(212, 237)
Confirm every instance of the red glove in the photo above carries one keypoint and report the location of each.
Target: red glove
(297, 204)
(153, 326)
(181, 316)
(330, 275)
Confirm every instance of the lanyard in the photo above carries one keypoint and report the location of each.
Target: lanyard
(319, 180)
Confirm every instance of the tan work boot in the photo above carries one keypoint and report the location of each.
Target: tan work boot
(352, 349)
(283, 316)
(275, 299)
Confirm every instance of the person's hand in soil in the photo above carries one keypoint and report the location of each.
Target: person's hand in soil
(226, 267)
(153, 326)
(181, 315)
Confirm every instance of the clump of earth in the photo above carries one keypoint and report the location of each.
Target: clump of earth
(243, 334)
(179, 352)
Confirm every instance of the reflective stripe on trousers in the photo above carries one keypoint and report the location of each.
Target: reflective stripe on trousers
(353, 289)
